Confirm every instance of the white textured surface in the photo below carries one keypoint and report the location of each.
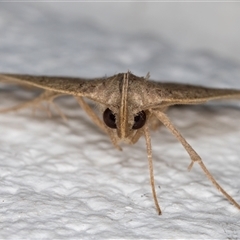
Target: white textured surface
(65, 180)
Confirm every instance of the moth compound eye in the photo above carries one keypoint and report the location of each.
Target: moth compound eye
(139, 120)
(109, 118)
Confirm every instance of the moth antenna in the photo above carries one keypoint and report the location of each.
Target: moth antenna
(193, 155)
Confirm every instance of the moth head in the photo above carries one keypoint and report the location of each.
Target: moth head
(124, 124)
(122, 113)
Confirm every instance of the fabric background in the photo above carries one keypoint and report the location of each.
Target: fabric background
(64, 179)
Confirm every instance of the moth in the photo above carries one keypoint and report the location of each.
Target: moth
(129, 106)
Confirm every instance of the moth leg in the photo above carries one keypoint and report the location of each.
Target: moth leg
(45, 96)
(46, 108)
(154, 123)
(114, 139)
(193, 155)
(150, 164)
(59, 111)
(91, 113)
(136, 136)
(97, 121)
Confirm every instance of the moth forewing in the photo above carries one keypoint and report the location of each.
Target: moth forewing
(65, 85)
(173, 93)
(128, 105)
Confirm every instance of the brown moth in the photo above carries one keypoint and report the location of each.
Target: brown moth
(129, 106)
